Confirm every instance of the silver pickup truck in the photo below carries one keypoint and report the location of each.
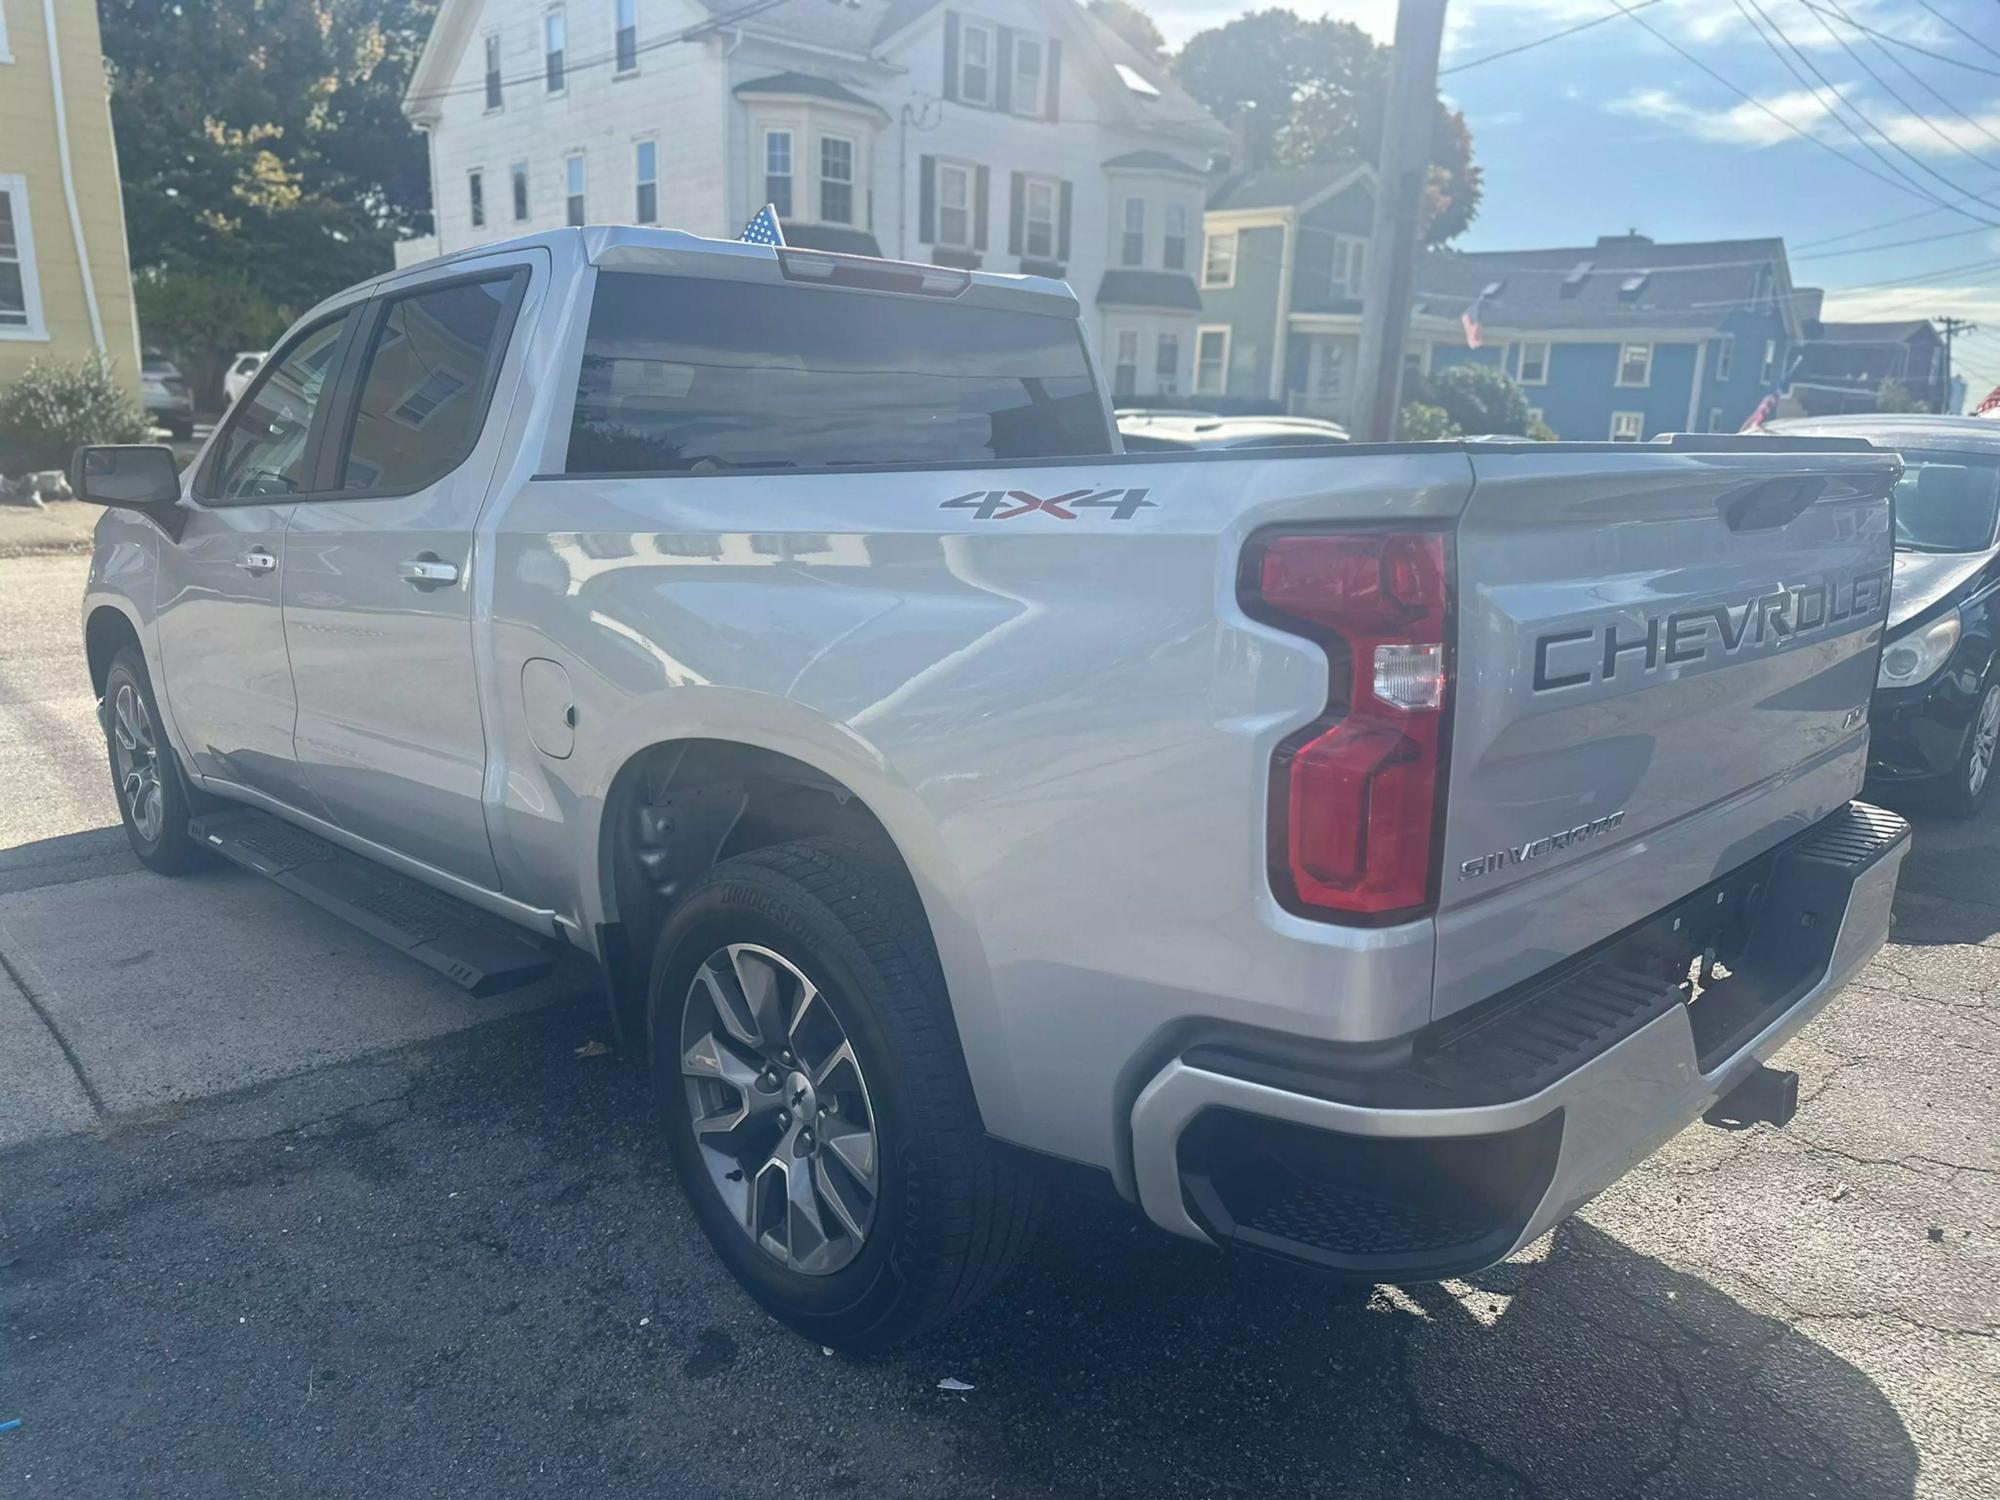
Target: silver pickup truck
(1359, 855)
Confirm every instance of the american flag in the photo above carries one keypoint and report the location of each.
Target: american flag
(1762, 414)
(1990, 406)
(763, 230)
(1469, 321)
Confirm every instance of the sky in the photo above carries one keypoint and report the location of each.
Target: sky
(1844, 143)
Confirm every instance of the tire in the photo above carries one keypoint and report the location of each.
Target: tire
(154, 801)
(1964, 791)
(949, 1210)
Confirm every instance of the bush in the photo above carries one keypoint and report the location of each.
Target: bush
(55, 408)
(1420, 422)
(1478, 399)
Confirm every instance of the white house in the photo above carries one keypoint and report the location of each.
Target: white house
(1006, 135)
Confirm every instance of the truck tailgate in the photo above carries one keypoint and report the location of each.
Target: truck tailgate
(1664, 661)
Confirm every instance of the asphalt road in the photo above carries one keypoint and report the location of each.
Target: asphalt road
(282, 1215)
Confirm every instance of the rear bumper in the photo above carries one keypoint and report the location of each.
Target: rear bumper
(1489, 1129)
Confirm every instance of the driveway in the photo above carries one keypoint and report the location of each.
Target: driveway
(282, 1214)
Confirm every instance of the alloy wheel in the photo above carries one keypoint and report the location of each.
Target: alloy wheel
(1985, 739)
(780, 1109)
(138, 757)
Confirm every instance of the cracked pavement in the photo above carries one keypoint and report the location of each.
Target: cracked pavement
(318, 1225)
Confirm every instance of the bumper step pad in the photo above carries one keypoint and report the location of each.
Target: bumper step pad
(478, 953)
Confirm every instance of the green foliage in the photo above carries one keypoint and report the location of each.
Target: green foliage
(1131, 23)
(204, 319)
(1478, 399)
(1897, 397)
(1541, 432)
(55, 407)
(1303, 91)
(265, 138)
(1420, 422)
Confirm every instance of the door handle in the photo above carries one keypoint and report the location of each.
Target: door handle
(427, 571)
(257, 561)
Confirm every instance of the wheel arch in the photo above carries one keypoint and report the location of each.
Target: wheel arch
(106, 630)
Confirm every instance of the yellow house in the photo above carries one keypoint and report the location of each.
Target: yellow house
(65, 280)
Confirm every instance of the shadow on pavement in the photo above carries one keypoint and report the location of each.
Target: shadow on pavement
(464, 1268)
(1949, 891)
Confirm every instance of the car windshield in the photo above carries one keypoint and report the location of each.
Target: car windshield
(1947, 502)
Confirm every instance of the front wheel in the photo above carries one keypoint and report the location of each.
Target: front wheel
(1967, 785)
(817, 1105)
(153, 799)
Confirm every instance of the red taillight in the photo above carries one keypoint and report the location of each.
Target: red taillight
(1355, 795)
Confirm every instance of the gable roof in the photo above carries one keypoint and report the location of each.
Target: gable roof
(1284, 187)
(809, 84)
(1623, 281)
(1875, 333)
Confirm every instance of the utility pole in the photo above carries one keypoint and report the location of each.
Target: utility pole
(1399, 202)
(1951, 326)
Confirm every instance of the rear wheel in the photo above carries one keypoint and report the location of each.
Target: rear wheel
(817, 1106)
(1971, 780)
(153, 798)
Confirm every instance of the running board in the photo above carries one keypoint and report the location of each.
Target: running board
(474, 951)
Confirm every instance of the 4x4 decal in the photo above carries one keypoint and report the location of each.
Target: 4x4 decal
(1005, 505)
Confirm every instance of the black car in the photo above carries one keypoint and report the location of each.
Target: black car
(1936, 712)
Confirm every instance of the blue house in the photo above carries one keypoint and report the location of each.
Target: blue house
(1620, 340)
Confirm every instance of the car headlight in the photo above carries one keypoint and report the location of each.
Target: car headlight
(1916, 657)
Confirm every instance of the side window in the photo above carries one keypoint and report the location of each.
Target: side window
(423, 385)
(262, 453)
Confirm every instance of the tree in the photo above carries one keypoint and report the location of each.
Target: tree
(1421, 422)
(1478, 399)
(1301, 92)
(1133, 24)
(1894, 396)
(265, 139)
(204, 319)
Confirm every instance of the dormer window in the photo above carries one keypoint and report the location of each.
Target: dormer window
(1028, 70)
(1630, 288)
(1573, 283)
(1135, 81)
(975, 63)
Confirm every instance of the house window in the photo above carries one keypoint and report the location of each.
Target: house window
(1125, 369)
(475, 194)
(1132, 248)
(1027, 76)
(1167, 364)
(555, 33)
(1770, 369)
(573, 189)
(778, 171)
(1416, 359)
(1715, 419)
(1211, 361)
(836, 179)
(626, 41)
(1173, 246)
(975, 64)
(20, 295)
(1635, 364)
(646, 180)
(519, 172)
(1350, 251)
(1534, 365)
(1218, 261)
(1628, 426)
(954, 200)
(1329, 367)
(1038, 232)
(1725, 356)
(493, 100)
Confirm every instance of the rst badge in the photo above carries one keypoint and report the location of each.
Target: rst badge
(1005, 505)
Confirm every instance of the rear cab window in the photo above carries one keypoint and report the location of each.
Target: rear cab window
(685, 375)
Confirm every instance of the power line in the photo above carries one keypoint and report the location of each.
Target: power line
(1922, 82)
(1976, 41)
(1540, 41)
(1915, 113)
(1943, 57)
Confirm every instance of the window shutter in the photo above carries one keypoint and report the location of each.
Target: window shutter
(1016, 209)
(927, 201)
(981, 185)
(951, 55)
(1062, 229)
(1003, 70)
(1054, 84)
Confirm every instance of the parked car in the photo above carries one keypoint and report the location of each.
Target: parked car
(1182, 432)
(947, 795)
(167, 396)
(1937, 701)
(238, 376)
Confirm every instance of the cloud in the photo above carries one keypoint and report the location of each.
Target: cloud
(1813, 111)
(1740, 124)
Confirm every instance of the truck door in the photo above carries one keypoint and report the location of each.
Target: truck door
(221, 632)
(378, 580)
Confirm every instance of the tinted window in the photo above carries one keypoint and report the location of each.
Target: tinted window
(263, 450)
(1946, 503)
(682, 375)
(423, 386)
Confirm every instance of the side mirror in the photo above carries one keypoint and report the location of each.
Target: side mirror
(135, 476)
